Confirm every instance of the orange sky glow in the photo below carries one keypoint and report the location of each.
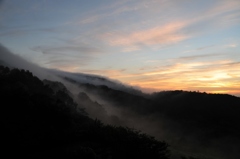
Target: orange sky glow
(153, 45)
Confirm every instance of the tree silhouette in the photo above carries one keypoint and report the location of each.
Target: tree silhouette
(39, 122)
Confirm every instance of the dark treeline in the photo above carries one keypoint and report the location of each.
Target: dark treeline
(207, 123)
(42, 119)
(194, 109)
(39, 120)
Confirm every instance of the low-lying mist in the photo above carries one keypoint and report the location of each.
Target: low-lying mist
(117, 104)
(183, 137)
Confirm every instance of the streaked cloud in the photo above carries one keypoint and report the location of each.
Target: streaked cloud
(107, 72)
(219, 13)
(66, 49)
(91, 19)
(66, 57)
(218, 75)
(215, 77)
(175, 30)
(135, 41)
(197, 56)
(163, 35)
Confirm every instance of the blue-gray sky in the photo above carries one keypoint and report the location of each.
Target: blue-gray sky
(153, 44)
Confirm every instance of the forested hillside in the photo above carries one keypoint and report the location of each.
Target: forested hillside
(191, 122)
(216, 114)
(43, 119)
(39, 120)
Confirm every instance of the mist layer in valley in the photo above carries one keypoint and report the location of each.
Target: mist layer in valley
(200, 125)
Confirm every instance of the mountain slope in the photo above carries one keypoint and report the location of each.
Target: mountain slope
(192, 122)
(7, 58)
(39, 122)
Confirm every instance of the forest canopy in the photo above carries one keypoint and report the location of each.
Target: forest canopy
(39, 122)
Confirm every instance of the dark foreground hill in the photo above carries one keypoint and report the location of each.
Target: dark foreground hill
(216, 113)
(206, 125)
(43, 122)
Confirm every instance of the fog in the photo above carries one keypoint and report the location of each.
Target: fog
(182, 140)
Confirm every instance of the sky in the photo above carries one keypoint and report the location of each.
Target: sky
(156, 45)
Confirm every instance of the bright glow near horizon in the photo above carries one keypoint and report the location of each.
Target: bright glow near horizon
(154, 44)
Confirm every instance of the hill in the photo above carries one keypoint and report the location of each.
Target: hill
(192, 122)
(41, 122)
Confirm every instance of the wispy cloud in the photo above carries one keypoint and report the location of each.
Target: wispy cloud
(215, 76)
(218, 75)
(131, 26)
(109, 11)
(175, 31)
(106, 72)
(68, 57)
(163, 32)
(162, 35)
(204, 47)
(196, 57)
(231, 45)
(67, 49)
(223, 8)
(200, 48)
(91, 19)
(221, 14)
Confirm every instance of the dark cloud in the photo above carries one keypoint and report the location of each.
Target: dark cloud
(60, 61)
(232, 63)
(66, 49)
(205, 47)
(197, 56)
(67, 64)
